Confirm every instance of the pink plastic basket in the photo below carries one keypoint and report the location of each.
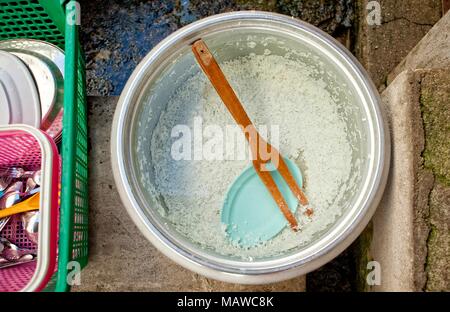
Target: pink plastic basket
(31, 149)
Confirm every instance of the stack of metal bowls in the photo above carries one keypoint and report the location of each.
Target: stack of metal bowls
(32, 85)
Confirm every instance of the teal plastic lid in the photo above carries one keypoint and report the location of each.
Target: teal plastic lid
(250, 212)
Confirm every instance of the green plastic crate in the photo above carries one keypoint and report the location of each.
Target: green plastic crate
(54, 21)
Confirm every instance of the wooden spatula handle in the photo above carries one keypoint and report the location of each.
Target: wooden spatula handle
(214, 73)
(220, 83)
(212, 70)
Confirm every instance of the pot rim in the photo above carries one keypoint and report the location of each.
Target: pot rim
(266, 270)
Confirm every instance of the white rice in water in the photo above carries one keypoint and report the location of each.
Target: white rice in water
(274, 91)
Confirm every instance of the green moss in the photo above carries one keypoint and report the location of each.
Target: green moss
(431, 241)
(431, 238)
(438, 241)
(363, 257)
(435, 106)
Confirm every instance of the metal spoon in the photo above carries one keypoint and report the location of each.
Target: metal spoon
(11, 197)
(12, 173)
(20, 173)
(4, 183)
(30, 222)
(7, 264)
(11, 252)
(37, 175)
(31, 187)
(8, 175)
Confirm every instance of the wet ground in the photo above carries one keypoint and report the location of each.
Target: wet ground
(117, 34)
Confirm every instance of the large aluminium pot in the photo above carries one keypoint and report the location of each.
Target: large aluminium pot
(172, 55)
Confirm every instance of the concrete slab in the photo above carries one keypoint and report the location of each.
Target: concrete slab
(403, 237)
(411, 237)
(403, 23)
(394, 224)
(121, 259)
(433, 51)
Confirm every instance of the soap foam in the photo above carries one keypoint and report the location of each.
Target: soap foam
(274, 91)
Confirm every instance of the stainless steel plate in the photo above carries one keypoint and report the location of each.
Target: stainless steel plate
(19, 97)
(50, 84)
(53, 58)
